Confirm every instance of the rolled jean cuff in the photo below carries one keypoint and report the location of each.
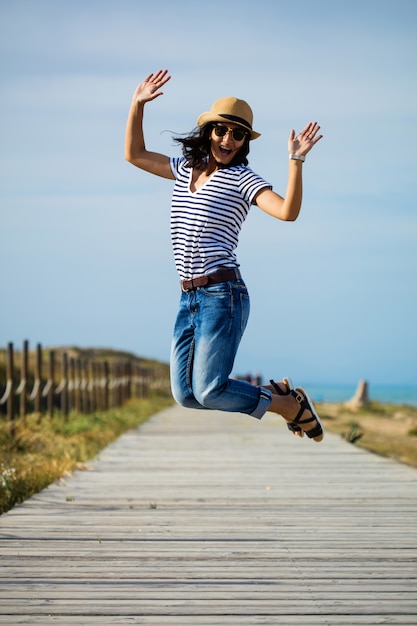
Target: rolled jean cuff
(265, 398)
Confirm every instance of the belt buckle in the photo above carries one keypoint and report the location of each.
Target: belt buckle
(199, 281)
(183, 288)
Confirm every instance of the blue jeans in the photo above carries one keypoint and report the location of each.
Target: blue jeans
(209, 326)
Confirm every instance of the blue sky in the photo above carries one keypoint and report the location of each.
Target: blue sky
(84, 236)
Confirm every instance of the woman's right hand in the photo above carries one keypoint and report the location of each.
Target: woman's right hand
(149, 89)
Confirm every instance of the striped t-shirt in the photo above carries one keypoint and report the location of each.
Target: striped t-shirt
(205, 224)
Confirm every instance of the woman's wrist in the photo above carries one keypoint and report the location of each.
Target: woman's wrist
(297, 157)
(137, 103)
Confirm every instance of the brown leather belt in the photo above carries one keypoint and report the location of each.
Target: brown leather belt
(210, 279)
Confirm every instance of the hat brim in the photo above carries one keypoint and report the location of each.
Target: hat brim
(207, 117)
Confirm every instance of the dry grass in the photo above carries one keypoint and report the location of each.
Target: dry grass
(386, 429)
(40, 453)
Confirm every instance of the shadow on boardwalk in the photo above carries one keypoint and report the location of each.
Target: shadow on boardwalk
(212, 518)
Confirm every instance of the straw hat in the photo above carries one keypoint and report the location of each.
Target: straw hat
(230, 109)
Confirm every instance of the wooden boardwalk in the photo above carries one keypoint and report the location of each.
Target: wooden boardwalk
(204, 518)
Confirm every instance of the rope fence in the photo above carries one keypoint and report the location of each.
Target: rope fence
(65, 382)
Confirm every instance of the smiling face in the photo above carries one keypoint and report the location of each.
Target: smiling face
(224, 145)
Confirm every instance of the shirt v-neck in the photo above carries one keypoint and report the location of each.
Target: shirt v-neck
(190, 180)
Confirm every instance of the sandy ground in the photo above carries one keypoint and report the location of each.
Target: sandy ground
(386, 429)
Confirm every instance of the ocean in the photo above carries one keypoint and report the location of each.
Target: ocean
(393, 394)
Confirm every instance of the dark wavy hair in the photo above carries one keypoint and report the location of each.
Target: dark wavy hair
(196, 147)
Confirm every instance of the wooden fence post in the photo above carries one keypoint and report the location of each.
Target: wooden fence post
(8, 395)
(78, 385)
(71, 383)
(128, 375)
(115, 384)
(123, 388)
(37, 396)
(84, 386)
(91, 394)
(96, 385)
(51, 384)
(21, 390)
(64, 384)
(105, 388)
(10, 385)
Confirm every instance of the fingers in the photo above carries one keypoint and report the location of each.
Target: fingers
(312, 135)
(149, 88)
(310, 130)
(159, 79)
(308, 136)
(302, 143)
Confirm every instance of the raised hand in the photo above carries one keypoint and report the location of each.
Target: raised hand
(305, 140)
(149, 89)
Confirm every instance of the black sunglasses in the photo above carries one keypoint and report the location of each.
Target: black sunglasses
(237, 133)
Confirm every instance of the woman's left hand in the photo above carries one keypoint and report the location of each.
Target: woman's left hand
(305, 140)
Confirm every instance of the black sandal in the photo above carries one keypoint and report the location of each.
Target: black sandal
(292, 426)
(306, 405)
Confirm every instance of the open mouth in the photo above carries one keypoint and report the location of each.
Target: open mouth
(224, 151)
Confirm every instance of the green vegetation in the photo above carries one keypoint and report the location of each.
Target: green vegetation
(40, 453)
(353, 434)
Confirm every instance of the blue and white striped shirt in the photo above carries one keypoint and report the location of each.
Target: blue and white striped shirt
(205, 224)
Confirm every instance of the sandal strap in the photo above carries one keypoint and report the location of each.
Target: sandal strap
(287, 382)
(278, 389)
(314, 432)
(305, 406)
(294, 428)
(275, 386)
(297, 420)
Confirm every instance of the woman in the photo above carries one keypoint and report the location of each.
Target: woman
(213, 193)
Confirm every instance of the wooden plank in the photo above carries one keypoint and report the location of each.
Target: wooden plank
(211, 518)
(212, 620)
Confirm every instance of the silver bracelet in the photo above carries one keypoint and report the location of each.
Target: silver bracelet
(297, 157)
